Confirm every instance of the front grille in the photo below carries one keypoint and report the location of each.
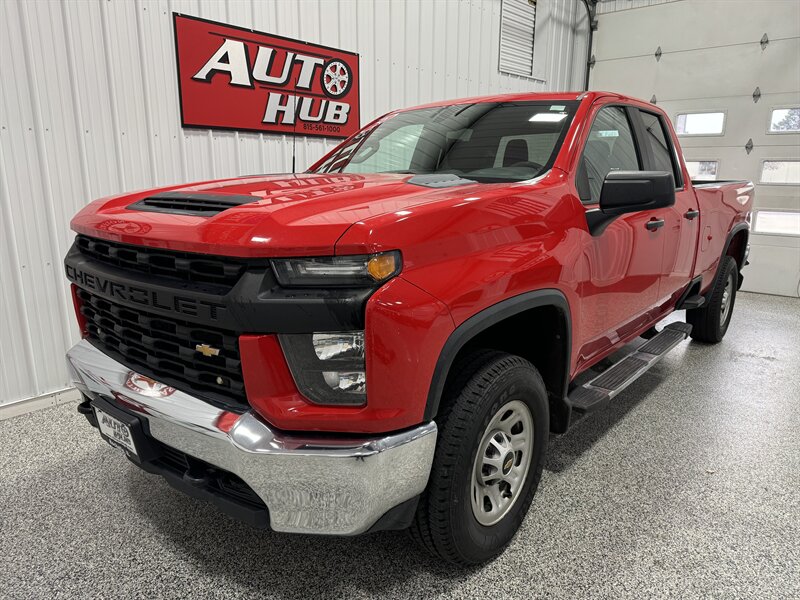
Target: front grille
(165, 349)
(186, 266)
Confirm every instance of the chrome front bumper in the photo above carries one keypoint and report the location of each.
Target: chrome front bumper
(310, 483)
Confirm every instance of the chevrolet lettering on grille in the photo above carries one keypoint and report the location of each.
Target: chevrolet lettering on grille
(141, 295)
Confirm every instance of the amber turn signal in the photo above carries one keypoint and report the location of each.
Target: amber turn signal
(382, 266)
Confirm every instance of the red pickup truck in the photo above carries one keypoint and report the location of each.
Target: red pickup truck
(388, 339)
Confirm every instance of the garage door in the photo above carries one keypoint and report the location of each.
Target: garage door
(727, 74)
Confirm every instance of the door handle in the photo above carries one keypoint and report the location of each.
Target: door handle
(654, 224)
(691, 214)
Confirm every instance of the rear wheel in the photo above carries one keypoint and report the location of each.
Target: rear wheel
(710, 322)
(493, 432)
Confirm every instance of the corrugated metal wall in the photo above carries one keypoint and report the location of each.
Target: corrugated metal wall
(609, 6)
(89, 107)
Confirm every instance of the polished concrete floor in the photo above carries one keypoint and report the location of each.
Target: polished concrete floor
(688, 486)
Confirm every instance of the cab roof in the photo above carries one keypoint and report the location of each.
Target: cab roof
(523, 96)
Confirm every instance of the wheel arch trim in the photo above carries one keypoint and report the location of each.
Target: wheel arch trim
(487, 318)
(735, 230)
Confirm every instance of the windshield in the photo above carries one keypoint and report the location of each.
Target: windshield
(485, 142)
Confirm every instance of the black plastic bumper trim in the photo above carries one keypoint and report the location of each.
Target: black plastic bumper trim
(247, 512)
(399, 517)
(252, 515)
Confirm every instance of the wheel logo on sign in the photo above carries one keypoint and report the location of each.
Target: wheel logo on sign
(336, 78)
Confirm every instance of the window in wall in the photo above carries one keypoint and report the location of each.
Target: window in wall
(610, 148)
(702, 123)
(702, 170)
(516, 36)
(658, 139)
(780, 172)
(785, 120)
(777, 222)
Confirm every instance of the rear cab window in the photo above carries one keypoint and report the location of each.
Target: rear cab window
(659, 142)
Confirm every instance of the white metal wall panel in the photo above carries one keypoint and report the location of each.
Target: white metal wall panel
(712, 60)
(609, 6)
(89, 108)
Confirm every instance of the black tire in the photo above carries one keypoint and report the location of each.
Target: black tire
(710, 322)
(484, 382)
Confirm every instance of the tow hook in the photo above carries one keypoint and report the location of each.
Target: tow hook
(196, 476)
(85, 408)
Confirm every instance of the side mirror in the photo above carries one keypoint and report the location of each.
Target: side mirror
(630, 191)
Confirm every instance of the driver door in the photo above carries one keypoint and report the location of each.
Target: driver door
(622, 265)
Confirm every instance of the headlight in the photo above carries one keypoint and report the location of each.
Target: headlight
(328, 368)
(337, 271)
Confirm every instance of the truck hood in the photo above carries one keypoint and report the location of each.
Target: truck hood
(301, 215)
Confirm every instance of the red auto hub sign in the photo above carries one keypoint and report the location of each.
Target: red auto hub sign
(235, 78)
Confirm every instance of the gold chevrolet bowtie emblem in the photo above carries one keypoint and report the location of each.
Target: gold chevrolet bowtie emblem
(207, 350)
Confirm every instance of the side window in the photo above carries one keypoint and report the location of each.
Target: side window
(610, 147)
(658, 140)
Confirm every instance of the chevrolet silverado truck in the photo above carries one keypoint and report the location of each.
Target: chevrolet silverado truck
(387, 340)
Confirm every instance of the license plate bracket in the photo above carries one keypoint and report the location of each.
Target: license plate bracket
(124, 430)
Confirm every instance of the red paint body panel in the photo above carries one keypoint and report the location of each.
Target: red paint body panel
(464, 250)
(405, 326)
(291, 215)
(721, 209)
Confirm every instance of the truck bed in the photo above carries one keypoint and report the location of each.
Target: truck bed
(705, 183)
(723, 205)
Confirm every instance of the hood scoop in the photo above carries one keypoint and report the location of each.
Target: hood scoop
(185, 203)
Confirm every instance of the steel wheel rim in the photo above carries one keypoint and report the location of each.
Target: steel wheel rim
(502, 462)
(727, 294)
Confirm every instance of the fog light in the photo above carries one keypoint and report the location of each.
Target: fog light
(339, 345)
(353, 382)
(328, 367)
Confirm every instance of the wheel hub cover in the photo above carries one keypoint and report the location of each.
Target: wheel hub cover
(508, 462)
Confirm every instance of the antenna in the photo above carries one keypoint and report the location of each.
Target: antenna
(294, 125)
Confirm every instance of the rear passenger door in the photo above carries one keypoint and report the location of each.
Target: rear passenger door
(682, 221)
(624, 262)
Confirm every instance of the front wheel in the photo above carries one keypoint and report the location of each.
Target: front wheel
(493, 433)
(710, 322)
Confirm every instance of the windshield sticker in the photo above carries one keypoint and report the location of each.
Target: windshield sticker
(546, 117)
